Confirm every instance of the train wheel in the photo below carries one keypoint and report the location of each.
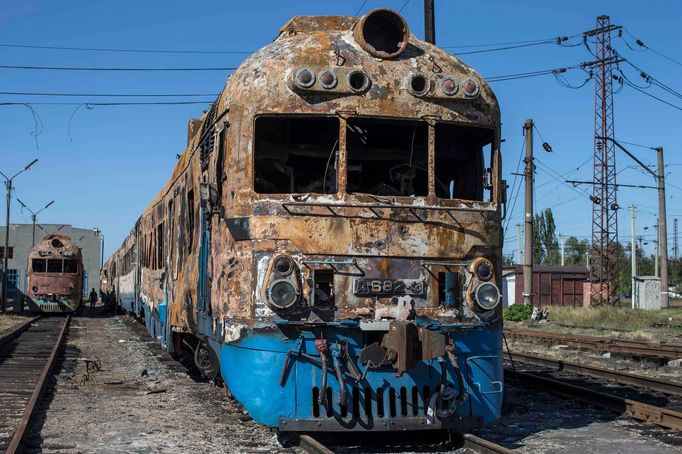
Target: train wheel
(206, 361)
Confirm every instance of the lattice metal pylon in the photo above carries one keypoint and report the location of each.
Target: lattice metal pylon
(604, 260)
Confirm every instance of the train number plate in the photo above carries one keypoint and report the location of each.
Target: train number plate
(388, 287)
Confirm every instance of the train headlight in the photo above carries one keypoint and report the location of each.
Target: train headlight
(283, 265)
(282, 294)
(449, 86)
(327, 78)
(487, 296)
(484, 271)
(470, 87)
(304, 78)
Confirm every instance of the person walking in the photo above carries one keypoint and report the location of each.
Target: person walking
(92, 299)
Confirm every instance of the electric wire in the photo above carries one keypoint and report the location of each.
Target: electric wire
(132, 103)
(144, 51)
(645, 46)
(404, 5)
(512, 194)
(111, 95)
(360, 9)
(131, 69)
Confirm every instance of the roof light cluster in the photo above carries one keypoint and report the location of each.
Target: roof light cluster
(443, 87)
(330, 80)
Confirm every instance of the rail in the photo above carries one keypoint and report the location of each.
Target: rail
(660, 416)
(601, 344)
(20, 366)
(483, 446)
(655, 384)
(313, 446)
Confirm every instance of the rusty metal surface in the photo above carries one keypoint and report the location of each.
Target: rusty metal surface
(410, 238)
(483, 446)
(312, 446)
(52, 285)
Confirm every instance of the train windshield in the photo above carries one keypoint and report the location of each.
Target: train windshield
(388, 157)
(54, 266)
(38, 265)
(295, 154)
(70, 266)
(461, 153)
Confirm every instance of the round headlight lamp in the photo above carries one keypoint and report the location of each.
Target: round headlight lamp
(282, 294)
(487, 296)
(283, 265)
(484, 271)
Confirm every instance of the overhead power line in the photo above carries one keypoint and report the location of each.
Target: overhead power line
(131, 103)
(145, 51)
(111, 95)
(76, 68)
(641, 44)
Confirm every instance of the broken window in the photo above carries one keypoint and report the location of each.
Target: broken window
(190, 219)
(38, 265)
(159, 245)
(295, 155)
(70, 266)
(388, 157)
(54, 266)
(461, 152)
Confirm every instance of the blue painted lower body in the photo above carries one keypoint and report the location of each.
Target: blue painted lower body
(274, 389)
(255, 372)
(59, 305)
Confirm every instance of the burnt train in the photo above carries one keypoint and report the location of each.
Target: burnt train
(55, 276)
(329, 243)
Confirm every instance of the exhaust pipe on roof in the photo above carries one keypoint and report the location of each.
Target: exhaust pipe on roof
(383, 33)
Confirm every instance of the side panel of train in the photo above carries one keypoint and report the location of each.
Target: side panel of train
(332, 285)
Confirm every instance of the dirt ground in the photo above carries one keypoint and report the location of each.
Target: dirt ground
(142, 401)
(139, 401)
(9, 321)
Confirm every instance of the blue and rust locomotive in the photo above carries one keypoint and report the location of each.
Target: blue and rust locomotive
(329, 243)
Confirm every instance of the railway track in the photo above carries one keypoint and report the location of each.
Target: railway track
(600, 344)
(626, 378)
(27, 356)
(660, 416)
(312, 445)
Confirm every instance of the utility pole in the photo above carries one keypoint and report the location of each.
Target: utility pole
(34, 216)
(663, 243)
(563, 242)
(657, 242)
(429, 22)
(528, 217)
(676, 249)
(519, 260)
(8, 186)
(633, 252)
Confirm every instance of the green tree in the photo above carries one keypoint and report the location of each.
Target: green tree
(545, 243)
(575, 251)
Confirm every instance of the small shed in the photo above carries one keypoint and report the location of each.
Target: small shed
(554, 285)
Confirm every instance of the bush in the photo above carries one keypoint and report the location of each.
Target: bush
(518, 312)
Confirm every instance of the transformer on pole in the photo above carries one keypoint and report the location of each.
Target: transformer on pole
(604, 260)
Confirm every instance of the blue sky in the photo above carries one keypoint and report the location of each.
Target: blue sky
(106, 163)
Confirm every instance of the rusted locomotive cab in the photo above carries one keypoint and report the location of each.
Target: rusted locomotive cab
(329, 242)
(55, 275)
